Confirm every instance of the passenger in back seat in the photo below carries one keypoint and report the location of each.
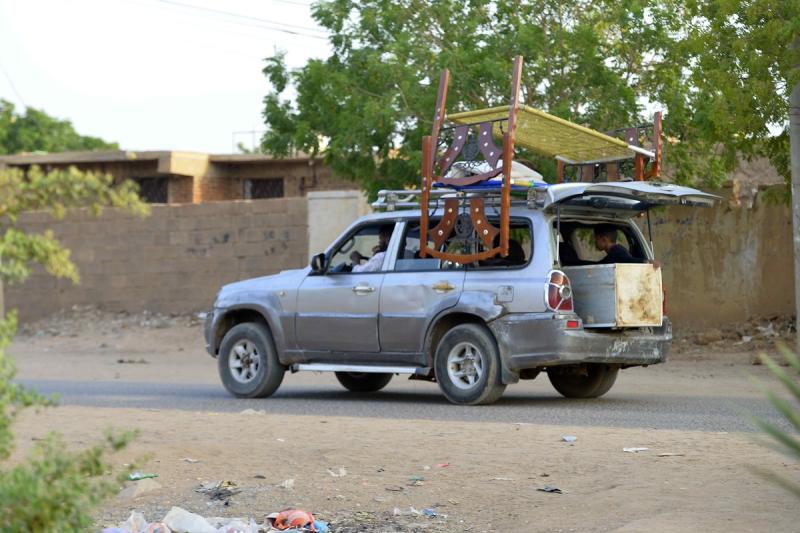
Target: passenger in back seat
(605, 239)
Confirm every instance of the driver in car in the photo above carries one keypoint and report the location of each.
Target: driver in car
(374, 263)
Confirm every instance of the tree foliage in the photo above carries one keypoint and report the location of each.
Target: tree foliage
(725, 82)
(34, 130)
(55, 489)
(718, 68)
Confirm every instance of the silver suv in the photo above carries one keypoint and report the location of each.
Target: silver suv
(472, 328)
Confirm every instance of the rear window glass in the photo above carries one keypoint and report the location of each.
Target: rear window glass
(577, 243)
(583, 242)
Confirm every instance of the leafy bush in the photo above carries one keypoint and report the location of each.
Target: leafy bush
(785, 441)
(55, 489)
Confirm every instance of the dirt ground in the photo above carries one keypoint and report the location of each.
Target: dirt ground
(475, 476)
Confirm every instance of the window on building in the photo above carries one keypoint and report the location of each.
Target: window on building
(153, 190)
(255, 189)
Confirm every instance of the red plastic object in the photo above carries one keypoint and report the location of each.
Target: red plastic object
(294, 518)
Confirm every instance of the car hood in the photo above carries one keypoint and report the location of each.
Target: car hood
(241, 290)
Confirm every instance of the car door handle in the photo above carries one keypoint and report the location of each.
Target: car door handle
(363, 289)
(443, 286)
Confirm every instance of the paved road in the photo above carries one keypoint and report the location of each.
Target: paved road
(631, 405)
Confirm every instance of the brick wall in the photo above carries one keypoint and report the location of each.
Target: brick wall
(175, 260)
(214, 189)
(721, 265)
(181, 189)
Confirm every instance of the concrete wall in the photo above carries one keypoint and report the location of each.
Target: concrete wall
(329, 214)
(721, 265)
(726, 264)
(175, 260)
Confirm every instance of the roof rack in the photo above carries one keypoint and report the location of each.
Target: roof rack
(394, 200)
(391, 200)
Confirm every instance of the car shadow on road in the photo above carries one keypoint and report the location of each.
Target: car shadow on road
(436, 398)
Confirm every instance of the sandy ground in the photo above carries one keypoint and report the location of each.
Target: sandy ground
(490, 484)
(493, 469)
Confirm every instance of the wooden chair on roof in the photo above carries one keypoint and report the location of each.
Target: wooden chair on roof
(453, 149)
(469, 212)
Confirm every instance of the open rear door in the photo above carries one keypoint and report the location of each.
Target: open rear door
(623, 196)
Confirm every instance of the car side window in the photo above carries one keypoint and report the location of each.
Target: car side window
(520, 248)
(582, 241)
(363, 250)
(408, 256)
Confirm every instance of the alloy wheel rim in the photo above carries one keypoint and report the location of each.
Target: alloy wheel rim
(244, 361)
(465, 365)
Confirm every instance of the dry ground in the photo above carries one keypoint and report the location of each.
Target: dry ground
(493, 472)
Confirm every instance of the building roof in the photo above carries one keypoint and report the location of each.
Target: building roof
(108, 156)
(98, 156)
(257, 158)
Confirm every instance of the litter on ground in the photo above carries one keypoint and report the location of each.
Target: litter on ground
(179, 520)
(550, 489)
(634, 450)
(338, 472)
(136, 476)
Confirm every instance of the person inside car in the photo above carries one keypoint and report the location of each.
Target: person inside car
(515, 257)
(374, 263)
(605, 239)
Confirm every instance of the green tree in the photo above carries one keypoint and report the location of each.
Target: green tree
(55, 489)
(600, 63)
(34, 130)
(725, 81)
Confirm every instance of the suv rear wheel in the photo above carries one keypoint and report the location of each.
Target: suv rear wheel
(363, 382)
(583, 381)
(467, 366)
(248, 363)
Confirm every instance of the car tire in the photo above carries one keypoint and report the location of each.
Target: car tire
(363, 382)
(467, 366)
(583, 381)
(248, 362)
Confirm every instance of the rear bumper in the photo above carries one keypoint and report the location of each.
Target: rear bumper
(532, 340)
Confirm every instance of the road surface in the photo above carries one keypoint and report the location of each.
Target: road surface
(659, 398)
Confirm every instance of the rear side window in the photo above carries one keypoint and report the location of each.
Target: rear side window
(577, 243)
(408, 257)
(583, 242)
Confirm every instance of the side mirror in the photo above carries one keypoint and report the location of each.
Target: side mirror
(318, 264)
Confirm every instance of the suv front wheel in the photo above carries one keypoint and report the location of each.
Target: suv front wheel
(467, 366)
(248, 362)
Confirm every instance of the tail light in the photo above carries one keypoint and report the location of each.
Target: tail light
(664, 302)
(559, 292)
